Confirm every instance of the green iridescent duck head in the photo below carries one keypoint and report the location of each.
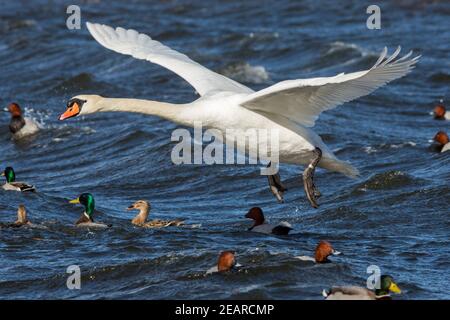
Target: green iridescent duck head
(87, 200)
(387, 285)
(9, 174)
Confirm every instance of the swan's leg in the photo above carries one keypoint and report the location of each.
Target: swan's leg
(275, 185)
(308, 179)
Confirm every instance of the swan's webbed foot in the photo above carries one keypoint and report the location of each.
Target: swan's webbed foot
(276, 186)
(308, 179)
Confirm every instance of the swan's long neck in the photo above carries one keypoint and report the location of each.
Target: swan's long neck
(169, 111)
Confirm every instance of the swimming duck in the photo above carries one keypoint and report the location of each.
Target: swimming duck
(442, 138)
(323, 250)
(387, 285)
(144, 210)
(260, 224)
(86, 219)
(20, 126)
(226, 262)
(21, 221)
(12, 184)
(440, 113)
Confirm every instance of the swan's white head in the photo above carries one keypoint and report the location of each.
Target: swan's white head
(79, 105)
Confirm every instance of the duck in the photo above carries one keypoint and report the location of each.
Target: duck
(225, 263)
(12, 184)
(290, 108)
(260, 225)
(440, 113)
(442, 139)
(141, 219)
(86, 219)
(387, 285)
(18, 125)
(323, 250)
(21, 221)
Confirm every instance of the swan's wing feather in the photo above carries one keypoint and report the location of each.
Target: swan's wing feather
(303, 100)
(141, 46)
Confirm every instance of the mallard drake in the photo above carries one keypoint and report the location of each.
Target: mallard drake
(12, 184)
(18, 125)
(86, 219)
(226, 262)
(387, 285)
(144, 210)
(260, 224)
(323, 250)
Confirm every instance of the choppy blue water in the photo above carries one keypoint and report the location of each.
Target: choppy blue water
(396, 215)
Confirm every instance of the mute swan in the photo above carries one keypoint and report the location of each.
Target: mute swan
(387, 285)
(290, 106)
(141, 219)
(260, 225)
(12, 184)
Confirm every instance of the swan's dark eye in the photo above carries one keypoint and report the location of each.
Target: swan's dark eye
(79, 102)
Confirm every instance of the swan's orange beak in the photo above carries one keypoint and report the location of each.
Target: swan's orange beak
(72, 111)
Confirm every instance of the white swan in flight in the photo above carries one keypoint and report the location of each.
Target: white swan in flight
(292, 106)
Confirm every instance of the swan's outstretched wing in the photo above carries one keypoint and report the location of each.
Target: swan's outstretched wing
(303, 100)
(141, 46)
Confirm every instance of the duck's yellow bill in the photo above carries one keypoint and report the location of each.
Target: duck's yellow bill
(77, 200)
(394, 288)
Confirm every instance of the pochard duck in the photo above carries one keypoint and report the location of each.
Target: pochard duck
(387, 285)
(260, 225)
(226, 262)
(144, 210)
(323, 250)
(86, 219)
(442, 139)
(440, 113)
(12, 184)
(18, 125)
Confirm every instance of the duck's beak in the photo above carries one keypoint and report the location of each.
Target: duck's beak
(130, 207)
(394, 288)
(77, 200)
(72, 111)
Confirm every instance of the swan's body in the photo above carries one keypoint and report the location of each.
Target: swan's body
(291, 106)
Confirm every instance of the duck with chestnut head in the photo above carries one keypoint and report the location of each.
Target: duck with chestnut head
(260, 224)
(225, 263)
(443, 142)
(441, 113)
(323, 250)
(19, 125)
(140, 219)
(86, 219)
(386, 286)
(12, 184)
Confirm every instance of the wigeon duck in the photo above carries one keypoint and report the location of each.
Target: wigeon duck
(20, 126)
(260, 225)
(86, 219)
(442, 138)
(144, 210)
(226, 262)
(440, 113)
(323, 250)
(387, 285)
(12, 184)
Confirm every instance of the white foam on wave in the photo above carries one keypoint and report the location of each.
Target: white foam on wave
(244, 72)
